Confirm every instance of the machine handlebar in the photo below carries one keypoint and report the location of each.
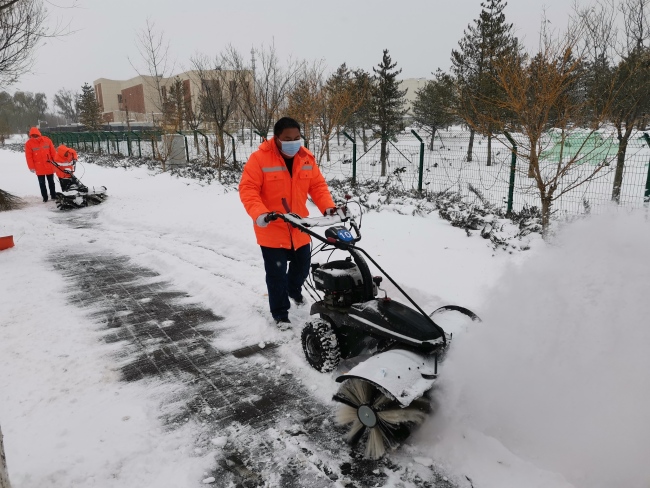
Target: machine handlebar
(336, 235)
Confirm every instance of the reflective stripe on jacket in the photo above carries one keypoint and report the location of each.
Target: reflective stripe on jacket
(64, 162)
(38, 151)
(266, 181)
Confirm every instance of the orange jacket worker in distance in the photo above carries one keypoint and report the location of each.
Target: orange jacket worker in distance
(39, 150)
(281, 169)
(64, 158)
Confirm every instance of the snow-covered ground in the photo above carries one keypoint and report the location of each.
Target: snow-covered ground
(549, 391)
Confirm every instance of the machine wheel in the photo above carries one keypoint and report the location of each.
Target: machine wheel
(375, 417)
(320, 345)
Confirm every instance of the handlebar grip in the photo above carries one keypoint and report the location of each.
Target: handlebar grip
(270, 217)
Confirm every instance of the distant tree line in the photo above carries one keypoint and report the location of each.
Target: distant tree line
(593, 74)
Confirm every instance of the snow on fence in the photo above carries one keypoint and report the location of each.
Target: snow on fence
(415, 162)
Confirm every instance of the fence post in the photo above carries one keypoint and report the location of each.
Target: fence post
(646, 196)
(421, 169)
(354, 157)
(513, 168)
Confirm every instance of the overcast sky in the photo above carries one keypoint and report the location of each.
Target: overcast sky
(419, 34)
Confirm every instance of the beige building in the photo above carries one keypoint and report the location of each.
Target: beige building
(138, 99)
(413, 84)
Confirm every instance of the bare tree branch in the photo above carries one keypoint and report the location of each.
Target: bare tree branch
(153, 48)
(264, 85)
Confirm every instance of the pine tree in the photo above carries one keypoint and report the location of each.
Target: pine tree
(484, 43)
(387, 106)
(433, 105)
(174, 105)
(90, 113)
(360, 118)
(631, 83)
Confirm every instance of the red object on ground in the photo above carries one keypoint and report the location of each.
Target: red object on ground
(6, 242)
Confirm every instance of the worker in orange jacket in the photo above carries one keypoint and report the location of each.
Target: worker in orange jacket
(65, 159)
(277, 178)
(39, 151)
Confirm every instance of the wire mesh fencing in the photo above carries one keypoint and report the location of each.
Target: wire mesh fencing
(494, 169)
(582, 166)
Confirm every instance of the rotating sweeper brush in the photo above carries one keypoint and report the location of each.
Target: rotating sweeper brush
(385, 354)
(374, 415)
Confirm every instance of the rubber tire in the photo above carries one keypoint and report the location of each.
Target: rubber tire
(320, 345)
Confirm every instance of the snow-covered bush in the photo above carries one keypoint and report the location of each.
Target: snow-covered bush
(476, 217)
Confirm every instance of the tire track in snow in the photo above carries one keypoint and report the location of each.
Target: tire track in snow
(278, 434)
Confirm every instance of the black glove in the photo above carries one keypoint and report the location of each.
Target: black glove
(270, 217)
(341, 210)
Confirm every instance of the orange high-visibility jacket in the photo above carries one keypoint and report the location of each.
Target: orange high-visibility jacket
(38, 151)
(64, 162)
(266, 181)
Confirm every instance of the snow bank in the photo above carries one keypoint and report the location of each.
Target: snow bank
(558, 373)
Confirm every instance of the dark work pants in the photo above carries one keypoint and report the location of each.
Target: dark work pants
(65, 183)
(282, 283)
(50, 183)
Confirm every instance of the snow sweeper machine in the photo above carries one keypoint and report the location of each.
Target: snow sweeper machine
(384, 353)
(74, 193)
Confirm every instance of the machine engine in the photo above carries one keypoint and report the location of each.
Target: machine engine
(341, 281)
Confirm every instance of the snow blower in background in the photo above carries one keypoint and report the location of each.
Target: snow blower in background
(74, 193)
(385, 354)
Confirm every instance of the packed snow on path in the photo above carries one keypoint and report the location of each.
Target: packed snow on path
(550, 386)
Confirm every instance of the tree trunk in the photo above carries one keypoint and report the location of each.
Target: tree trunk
(620, 166)
(4, 474)
(546, 215)
(222, 150)
(470, 147)
(533, 160)
(327, 149)
(489, 150)
(382, 157)
(307, 136)
(196, 143)
(433, 136)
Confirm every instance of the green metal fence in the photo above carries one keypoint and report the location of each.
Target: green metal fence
(126, 143)
(434, 163)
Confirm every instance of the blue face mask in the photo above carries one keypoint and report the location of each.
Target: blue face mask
(290, 148)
